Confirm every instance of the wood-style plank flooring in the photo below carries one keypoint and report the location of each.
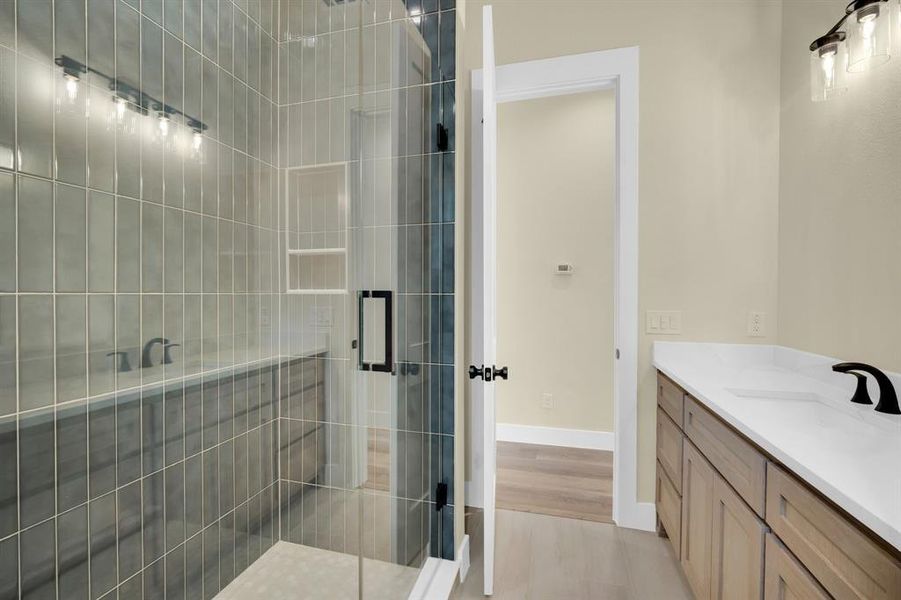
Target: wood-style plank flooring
(538, 557)
(550, 480)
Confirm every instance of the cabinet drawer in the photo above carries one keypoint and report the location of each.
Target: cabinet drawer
(843, 559)
(737, 460)
(669, 509)
(785, 577)
(669, 398)
(669, 448)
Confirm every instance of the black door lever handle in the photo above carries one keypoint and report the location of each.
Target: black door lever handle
(488, 373)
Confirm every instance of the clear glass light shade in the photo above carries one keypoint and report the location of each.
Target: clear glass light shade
(869, 32)
(827, 71)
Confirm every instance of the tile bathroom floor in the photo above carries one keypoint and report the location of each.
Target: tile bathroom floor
(290, 571)
(541, 557)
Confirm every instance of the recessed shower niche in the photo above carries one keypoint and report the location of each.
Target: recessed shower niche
(316, 229)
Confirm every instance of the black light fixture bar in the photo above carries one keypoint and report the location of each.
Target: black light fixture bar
(74, 69)
(835, 34)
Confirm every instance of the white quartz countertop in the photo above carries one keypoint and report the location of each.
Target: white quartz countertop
(791, 404)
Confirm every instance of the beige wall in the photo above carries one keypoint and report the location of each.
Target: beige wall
(555, 204)
(709, 152)
(840, 203)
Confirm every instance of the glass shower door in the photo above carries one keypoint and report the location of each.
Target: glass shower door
(390, 272)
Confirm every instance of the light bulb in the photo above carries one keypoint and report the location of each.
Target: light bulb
(71, 86)
(197, 140)
(869, 27)
(120, 108)
(827, 61)
(869, 36)
(164, 123)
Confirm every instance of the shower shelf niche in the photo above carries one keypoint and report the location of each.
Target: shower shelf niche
(316, 231)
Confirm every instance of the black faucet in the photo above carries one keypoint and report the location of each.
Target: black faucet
(167, 359)
(888, 399)
(124, 365)
(146, 361)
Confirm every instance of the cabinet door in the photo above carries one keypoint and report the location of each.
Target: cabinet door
(737, 548)
(786, 578)
(669, 509)
(697, 518)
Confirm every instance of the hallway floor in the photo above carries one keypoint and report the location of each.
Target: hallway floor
(553, 480)
(541, 557)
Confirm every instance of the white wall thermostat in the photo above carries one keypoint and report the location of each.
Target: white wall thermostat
(564, 269)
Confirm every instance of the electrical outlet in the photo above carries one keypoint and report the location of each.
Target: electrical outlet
(323, 316)
(664, 322)
(547, 401)
(756, 324)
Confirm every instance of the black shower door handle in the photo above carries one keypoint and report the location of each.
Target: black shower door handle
(387, 366)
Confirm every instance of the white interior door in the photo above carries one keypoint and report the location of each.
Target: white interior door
(489, 285)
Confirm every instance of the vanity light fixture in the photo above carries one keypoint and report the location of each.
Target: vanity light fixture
(164, 123)
(860, 40)
(127, 96)
(72, 71)
(120, 106)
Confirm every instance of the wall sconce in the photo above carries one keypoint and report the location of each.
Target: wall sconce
(861, 40)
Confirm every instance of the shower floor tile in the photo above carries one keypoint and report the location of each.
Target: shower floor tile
(295, 572)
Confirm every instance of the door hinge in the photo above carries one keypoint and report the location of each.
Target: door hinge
(440, 496)
(441, 139)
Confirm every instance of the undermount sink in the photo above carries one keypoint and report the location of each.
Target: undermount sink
(820, 416)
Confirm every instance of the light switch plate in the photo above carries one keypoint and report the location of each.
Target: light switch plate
(323, 316)
(664, 322)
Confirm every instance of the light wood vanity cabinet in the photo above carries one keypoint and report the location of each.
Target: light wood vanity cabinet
(737, 547)
(698, 479)
(669, 448)
(669, 398)
(737, 460)
(847, 562)
(729, 497)
(785, 577)
(669, 509)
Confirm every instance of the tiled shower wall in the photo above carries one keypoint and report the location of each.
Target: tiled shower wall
(380, 118)
(128, 477)
(138, 290)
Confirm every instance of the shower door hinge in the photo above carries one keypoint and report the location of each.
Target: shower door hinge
(441, 137)
(440, 496)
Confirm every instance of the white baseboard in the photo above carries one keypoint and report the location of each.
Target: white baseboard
(555, 436)
(641, 515)
(463, 558)
(437, 576)
(435, 581)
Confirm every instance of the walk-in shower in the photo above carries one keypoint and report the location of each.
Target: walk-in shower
(226, 297)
